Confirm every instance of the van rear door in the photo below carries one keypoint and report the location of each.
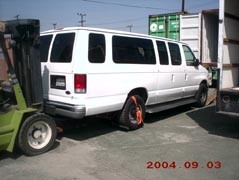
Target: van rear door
(58, 80)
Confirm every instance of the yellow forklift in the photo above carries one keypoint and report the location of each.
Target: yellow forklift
(22, 121)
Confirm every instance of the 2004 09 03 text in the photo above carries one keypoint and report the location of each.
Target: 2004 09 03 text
(186, 165)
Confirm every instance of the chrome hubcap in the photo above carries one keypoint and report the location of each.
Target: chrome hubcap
(39, 135)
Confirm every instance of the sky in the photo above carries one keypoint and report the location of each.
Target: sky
(109, 14)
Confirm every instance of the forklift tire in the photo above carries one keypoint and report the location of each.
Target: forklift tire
(37, 134)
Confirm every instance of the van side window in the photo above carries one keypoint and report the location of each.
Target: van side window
(163, 54)
(175, 54)
(62, 48)
(189, 56)
(45, 42)
(96, 52)
(128, 50)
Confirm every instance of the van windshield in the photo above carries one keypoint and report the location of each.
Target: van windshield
(62, 48)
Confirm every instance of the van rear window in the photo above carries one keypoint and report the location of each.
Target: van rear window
(45, 42)
(129, 50)
(62, 48)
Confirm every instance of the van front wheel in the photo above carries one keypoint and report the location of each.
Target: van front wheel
(133, 113)
(202, 95)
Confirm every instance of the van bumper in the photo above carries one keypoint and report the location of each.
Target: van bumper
(67, 110)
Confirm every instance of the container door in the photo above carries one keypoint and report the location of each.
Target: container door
(190, 32)
(209, 39)
(173, 27)
(158, 26)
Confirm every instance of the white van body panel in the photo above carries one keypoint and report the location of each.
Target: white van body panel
(109, 83)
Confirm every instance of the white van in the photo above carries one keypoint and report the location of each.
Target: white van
(88, 71)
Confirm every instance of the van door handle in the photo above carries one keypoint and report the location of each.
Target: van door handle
(173, 78)
(186, 77)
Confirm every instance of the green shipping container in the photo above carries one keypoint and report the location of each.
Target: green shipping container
(165, 25)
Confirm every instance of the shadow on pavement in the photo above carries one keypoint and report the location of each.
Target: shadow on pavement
(154, 117)
(17, 153)
(8, 155)
(87, 128)
(92, 127)
(214, 123)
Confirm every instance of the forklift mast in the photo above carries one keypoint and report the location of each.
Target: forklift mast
(22, 123)
(25, 43)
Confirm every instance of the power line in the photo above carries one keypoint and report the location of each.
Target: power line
(125, 27)
(128, 5)
(117, 22)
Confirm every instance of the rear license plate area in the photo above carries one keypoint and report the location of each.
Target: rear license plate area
(58, 82)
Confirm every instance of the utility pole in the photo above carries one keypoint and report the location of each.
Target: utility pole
(17, 16)
(54, 25)
(130, 27)
(82, 19)
(183, 7)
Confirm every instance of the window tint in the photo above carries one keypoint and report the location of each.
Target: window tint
(189, 56)
(163, 54)
(62, 48)
(133, 50)
(96, 53)
(175, 54)
(45, 42)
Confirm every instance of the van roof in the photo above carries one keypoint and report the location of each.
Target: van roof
(106, 31)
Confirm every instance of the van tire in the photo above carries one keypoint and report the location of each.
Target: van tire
(38, 128)
(202, 95)
(128, 114)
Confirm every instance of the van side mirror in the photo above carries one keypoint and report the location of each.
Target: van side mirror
(196, 62)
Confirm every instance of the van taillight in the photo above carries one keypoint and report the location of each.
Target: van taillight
(80, 83)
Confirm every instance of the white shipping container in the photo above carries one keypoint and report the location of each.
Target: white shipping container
(228, 58)
(228, 48)
(190, 31)
(200, 31)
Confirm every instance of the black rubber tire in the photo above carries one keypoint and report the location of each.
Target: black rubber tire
(22, 139)
(202, 95)
(128, 117)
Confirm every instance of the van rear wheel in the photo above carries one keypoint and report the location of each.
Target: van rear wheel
(133, 113)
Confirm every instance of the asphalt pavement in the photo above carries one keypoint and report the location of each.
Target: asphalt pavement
(179, 144)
